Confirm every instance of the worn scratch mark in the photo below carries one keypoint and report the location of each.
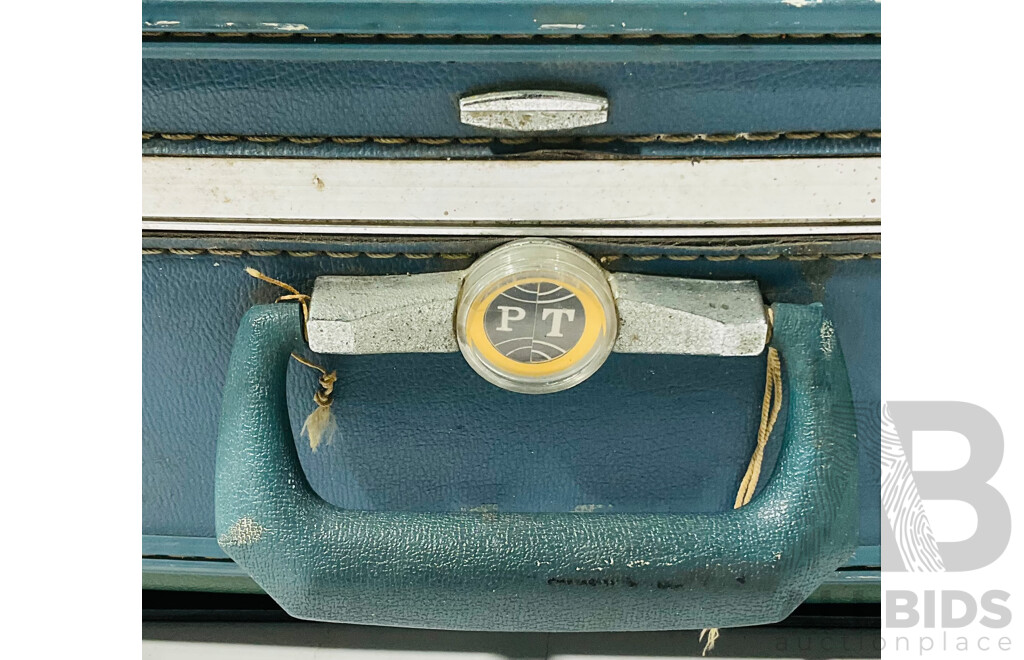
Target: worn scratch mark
(287, 27)
(562, 26)
(801, 3)
(244, 532)
(590, 508)
(828, 337)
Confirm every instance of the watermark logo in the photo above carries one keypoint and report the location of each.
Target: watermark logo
(942, 620)
(912, 545)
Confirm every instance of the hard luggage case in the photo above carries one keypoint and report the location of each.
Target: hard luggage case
(303, 141)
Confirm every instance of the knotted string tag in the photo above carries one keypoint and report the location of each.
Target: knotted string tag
(320, 426)
(770, 406)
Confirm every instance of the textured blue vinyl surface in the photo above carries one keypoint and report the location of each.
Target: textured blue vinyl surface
(386, 90)
(538, 571)
(644, 434)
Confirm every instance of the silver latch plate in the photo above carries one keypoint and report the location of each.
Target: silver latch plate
(533, 111)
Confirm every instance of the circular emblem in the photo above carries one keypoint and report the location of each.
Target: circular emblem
(536, 316)
(535, 321)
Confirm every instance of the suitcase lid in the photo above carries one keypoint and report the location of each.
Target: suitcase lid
(482, 19)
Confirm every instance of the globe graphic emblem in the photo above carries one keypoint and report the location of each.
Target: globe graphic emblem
(535, 322)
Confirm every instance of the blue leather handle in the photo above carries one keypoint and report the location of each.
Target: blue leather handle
(543, 571)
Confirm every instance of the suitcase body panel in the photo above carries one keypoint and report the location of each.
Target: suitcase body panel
(646, 433)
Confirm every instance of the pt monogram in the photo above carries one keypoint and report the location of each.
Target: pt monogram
(535, 322)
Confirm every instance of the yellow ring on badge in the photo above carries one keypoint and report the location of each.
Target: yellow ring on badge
(594, 327)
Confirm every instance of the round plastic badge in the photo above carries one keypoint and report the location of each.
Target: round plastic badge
(536, 316)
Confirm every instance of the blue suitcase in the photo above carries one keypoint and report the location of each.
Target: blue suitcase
(441, 487)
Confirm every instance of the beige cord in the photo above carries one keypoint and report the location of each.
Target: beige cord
(770, 406)
(320, 425)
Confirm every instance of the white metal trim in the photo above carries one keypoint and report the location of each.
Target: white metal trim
(405, 229)
(667, 197)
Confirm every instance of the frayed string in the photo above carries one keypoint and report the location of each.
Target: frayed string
(771, 404)
(712, 634)
(293, 294)
(320, 425)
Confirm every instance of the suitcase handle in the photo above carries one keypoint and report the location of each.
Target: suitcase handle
(541, 571)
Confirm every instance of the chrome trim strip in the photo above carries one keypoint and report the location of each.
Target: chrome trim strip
(752, 197)
(554, 231)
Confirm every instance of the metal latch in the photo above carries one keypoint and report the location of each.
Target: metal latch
(533, 111)
(536, 315)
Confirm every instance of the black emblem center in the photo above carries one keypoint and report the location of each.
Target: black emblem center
(535, 322)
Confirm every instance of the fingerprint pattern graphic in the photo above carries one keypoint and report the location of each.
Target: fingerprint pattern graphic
(903, 506)
(535, 322)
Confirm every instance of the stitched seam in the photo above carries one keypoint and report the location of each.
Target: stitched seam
(191, 252)
(641, 139)
(478, 37)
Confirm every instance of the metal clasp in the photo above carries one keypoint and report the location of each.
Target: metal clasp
(533, 111)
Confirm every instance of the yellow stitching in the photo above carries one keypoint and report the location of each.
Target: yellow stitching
(722, 138)
(639, 138)
(681, 138)
(764, 137)
(456, 256)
